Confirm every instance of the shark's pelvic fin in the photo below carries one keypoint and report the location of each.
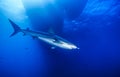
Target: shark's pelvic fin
(15, 27)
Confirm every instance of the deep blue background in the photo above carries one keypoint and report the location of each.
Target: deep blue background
(92, 25)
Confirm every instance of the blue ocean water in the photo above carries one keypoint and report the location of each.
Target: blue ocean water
(92, 25)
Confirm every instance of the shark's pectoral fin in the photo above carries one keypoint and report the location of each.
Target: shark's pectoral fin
(53, 47)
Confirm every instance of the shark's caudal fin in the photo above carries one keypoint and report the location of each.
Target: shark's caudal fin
(15, 27)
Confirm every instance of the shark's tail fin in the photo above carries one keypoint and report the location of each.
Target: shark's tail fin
(17, 29)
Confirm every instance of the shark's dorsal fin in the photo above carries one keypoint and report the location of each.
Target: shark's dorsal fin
(50, 30)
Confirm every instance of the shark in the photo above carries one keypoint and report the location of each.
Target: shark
(48, 37)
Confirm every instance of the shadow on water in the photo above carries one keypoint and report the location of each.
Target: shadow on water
(45, 18)
(72, 8)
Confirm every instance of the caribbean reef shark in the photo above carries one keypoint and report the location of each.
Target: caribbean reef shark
(50, 38)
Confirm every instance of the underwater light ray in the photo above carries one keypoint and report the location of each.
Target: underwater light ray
(38, 2)
(13, 8)
(20, 56)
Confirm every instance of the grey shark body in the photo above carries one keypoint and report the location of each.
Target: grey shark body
(50, 38)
